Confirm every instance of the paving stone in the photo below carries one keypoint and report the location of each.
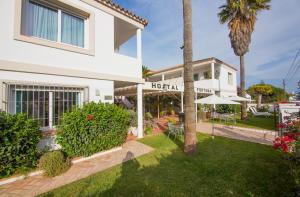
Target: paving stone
(245, 134)
(35, 185)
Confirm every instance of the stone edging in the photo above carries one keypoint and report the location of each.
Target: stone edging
(74, 161)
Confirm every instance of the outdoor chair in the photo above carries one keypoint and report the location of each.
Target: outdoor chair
(256, 113)
(228, 118)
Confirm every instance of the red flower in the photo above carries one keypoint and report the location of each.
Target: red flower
(276, 146)
(297, 134)
(291, 135)
(90, 117)
(284, 148)
(287, 139)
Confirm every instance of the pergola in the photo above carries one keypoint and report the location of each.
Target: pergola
(157, 89)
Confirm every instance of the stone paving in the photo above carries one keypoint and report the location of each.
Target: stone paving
(245, 134)
(35, 185)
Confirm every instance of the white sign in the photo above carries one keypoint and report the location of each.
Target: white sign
(163, 87)
(173, 88)
(204, 90)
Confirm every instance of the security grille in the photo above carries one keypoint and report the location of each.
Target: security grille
(45, 103)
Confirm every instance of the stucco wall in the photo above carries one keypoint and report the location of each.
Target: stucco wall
(104, 61)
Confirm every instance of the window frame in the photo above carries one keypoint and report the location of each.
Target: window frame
(229, 78)
(68, 8)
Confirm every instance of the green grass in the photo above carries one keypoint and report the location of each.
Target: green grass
(253, 122)
(222, 167)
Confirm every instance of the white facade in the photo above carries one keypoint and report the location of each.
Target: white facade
(97, 67)
(210, 73)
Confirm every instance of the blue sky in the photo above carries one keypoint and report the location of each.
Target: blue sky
(274, 43)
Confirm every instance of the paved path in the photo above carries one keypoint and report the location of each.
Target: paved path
(246, 134)
(32, 186)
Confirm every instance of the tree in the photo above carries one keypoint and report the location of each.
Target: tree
(277, 94)
(259, 90)
(146, 72)
(241, 16)
(190, 138)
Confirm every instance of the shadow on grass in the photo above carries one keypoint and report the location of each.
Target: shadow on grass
(222, 167)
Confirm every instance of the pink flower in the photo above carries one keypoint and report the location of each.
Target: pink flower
(281, 125)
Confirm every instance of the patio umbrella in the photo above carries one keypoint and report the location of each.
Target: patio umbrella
(237, 98)
(215, 100)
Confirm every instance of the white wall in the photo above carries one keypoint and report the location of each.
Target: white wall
(105, 87)
(227, 89)
(105, 60)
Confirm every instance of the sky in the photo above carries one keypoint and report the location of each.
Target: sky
(274, 45)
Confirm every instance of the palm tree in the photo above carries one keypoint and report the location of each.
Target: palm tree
(190, 138)
(146, 72)
(241, 16)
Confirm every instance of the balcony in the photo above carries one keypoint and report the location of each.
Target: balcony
(208, 83)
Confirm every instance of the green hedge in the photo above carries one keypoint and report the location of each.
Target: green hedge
(93, 128)
(225, 109)
(19, 138)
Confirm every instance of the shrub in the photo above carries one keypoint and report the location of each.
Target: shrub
(133, 118)
(225, 109)
(19, 138)
(148, 116)
(93, 128)
(148, 130)
(54, 163)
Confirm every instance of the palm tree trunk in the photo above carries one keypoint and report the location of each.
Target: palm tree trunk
(242, 84)
(190, 138)
(259, 96)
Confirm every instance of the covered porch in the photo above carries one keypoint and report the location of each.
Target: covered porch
(148, 98)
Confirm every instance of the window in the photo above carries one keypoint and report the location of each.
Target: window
(230, 79)
(207, 75)
(196, 77)
(52, 23)
(38, 101)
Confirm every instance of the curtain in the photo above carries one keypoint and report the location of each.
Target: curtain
(39, 21)
(72, 30)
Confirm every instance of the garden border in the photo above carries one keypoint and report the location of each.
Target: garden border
(74, 161)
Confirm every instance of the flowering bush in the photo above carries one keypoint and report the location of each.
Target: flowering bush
(93, 128)
(285, 144)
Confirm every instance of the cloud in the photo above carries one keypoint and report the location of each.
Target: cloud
(275, 40)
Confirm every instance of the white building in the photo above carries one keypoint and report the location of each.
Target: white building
(211, 76)
(55, 54)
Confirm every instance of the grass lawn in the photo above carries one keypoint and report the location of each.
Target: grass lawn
(222, 167)
(253, 122)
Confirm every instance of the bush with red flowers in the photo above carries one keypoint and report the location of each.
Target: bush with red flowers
(285, 144)
(93, 128)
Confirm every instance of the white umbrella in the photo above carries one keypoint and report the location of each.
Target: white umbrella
(215, 100)
(237, 98)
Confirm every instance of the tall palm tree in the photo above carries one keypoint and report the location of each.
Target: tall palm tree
(190, 138)
(146, 72)
(241, 16)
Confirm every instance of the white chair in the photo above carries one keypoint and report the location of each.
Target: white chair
(256, 113)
